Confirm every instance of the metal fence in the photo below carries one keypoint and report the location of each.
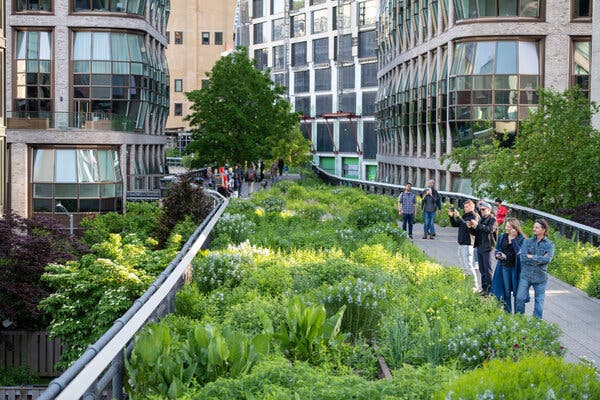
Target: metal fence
(100, 370)
(568, 228)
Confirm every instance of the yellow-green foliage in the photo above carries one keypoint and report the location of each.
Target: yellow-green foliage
(531, 378)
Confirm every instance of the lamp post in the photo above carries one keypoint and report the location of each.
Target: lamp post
(64, 209)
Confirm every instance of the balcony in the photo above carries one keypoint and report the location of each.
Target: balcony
(68, 121)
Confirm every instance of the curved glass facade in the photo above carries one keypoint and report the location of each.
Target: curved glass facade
(82, 180)
(125, 6)
(469, 9)
(117, 73)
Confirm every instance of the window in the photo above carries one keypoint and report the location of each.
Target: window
(178, 85)
(344, 47)
(219, 38)
(367, 13)
(278, 56)
(168, 37)
(205, 38)
(205, 83)
(581, 65)
(347, 102)
(278, 29)
(302, 105)
(366, 44)
(296, 4)
(259, 33)
(322, 79)
(178, 109)
(277, 6)
(319, 21)
(346, 77)
(34, 5)
(261, 58)
(582, 8)
(341, 16)
(496, 8)
(131, 7)
(280, 80)
(321, 51)
(368, 103)
(34, 73)
(257, 8)
(368, 75)
(299, 54)
(301, 81)
(178, 37)
(298, 25)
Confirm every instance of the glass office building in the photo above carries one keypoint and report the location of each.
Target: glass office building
(324, 53)
(451, 72)
(87, 102)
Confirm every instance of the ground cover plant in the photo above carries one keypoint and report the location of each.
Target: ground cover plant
(327, 278)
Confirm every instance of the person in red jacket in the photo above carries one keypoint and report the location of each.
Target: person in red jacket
(501, 211)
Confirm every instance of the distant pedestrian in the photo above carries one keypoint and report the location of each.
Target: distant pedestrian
(273, 172)
(251, 177)
(466, 239)
(438, 204)
(501, 211)
(407, 207)
(536, 253)
(508, 264)
(261, 168)
(486, 236)
(280, 165)
(428, 204)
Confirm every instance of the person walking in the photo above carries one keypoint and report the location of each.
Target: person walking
(273, 172)
(251, 177)
(280, 165)
(438, 203)
(536, 253)
(261, 168)
(429, 205)
(508, 265)
(407, 207)
(465, 238)
(486, 236)
(501, 211)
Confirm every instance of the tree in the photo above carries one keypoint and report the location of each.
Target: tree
(554, 163)
(242, 116)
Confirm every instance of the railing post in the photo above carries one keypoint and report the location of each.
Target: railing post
(117, 380)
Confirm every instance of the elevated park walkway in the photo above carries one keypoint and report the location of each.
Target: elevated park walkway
(98, 374)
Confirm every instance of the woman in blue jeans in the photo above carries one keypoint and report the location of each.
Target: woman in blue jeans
(536, 254)
(508, 266)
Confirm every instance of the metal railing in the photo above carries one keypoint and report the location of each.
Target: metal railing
(567, 228)
(65, 120)
(101, 367)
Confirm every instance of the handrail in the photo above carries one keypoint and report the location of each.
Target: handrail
(103, 362)
(567, 228)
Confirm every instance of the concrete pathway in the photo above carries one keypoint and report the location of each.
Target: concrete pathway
(573, 310)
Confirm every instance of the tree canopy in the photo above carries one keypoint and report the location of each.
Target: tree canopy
(555, 160)
(242, 116)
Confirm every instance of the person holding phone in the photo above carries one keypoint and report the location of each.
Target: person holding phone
(465, 238)
(486, 235)
(508, 266)
(536, 253)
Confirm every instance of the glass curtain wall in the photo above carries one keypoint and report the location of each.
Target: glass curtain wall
(125, 6)
(470, 9)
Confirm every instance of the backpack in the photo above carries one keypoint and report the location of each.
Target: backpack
(250, 175)
(218, 180)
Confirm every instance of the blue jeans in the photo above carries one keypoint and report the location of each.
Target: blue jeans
(509, 280)
(428, 225)
(408, 219)
(523, 294)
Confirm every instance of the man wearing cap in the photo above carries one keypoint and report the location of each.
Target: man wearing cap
(407, 207)
(486, 235)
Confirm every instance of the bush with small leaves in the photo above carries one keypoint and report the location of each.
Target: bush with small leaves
(237, 227)
(218, 270)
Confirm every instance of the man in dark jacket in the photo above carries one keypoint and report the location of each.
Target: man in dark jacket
(465, 238)
(486, 236)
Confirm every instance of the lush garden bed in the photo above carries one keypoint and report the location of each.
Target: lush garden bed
(305, 286)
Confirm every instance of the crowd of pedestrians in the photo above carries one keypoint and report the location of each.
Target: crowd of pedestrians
(229, 181)
(508, 264)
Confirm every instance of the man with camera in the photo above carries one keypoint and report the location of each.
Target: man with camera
(486, 235)
(465, 238)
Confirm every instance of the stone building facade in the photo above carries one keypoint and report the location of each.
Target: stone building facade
(453, 71)
(87, 102)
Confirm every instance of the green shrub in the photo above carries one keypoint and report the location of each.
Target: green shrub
(237, 227)
(219, 270)
(248, 316)
(532, 377)
(307, 333)
(17, 376)
(507, 337)
(364, 303)
(296, 192)
(593, 288)
(272, 204)
(370, 212)
(189, 302)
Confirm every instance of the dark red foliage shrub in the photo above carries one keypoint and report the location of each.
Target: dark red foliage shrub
(27, 245)
(586, 214)
(184, 199)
